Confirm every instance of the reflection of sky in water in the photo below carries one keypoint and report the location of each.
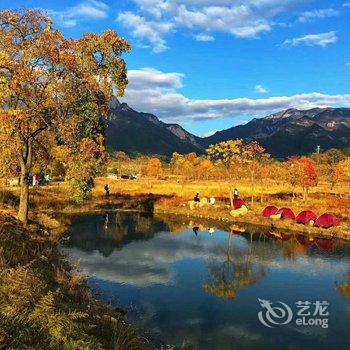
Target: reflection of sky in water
(202, 290)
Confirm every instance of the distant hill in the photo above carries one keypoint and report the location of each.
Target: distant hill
(286, 133)
(136, 132)
(293, 132)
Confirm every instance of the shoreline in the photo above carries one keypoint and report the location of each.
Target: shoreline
(255, 221)
(218, 215)
(161, 203)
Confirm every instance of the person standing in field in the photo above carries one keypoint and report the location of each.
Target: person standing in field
(235, 193)
(196, 198)
(106, 188)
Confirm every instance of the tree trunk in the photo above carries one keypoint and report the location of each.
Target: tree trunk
(24, 198)
(26, 165)
(231, 199)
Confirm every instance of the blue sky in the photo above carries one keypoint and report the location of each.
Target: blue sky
(209, 65)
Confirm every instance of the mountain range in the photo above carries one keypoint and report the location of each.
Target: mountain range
(136, 132)
(286, 133)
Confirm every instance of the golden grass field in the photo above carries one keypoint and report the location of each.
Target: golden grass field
(175, 193)
(320, 199)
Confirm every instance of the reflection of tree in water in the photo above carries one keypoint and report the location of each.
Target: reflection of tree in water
(176, 227)
(235, 273)
(91, 232)
(292, 248)
(117, 227)
(145, 225)
(296, 245)
(344, 287)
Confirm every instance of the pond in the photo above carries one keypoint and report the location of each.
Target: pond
(189, 285)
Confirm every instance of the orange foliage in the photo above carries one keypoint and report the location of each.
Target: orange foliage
(43, 77)
(154, 168)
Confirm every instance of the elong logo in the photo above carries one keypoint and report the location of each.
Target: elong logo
(274, 315)
(308, 313)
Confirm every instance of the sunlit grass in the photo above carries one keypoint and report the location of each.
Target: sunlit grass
(45, 304)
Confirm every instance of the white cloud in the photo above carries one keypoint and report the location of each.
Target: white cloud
(209, 133)
(86, 10)
(322, 39)
(260, 89)
(346, 4)
(141, 28)
(154, 79)
(242, 19)
(204, 37)
(157, 92)
(238, 21)
(318, 14)
(144, 263)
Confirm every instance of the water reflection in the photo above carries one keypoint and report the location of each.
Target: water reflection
(196, 285)
(107, 235)
(236, 272)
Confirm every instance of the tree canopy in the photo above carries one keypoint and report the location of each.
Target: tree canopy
(51, 86)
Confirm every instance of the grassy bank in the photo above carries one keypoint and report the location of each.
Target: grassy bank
(171, 196)
(175, 196)
(44, 304)
(252, 222)
(55, 199)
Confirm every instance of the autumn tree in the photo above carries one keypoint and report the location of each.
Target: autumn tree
(255, 158)
(225, 152)
(182, 164)
(303, 173)
(117, 162)
(240, 159)
(84, 165)
(46, 84)
(343, 171)
(205, 168)
(61, 157)
(154, 168)
(327, 163)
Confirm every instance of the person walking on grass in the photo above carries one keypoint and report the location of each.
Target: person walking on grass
(235, 194)
(106, 188)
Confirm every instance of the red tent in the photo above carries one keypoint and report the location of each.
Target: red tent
(286, 214)
(305, 217)
(327, 221)
(238, 203)
(268, 211)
